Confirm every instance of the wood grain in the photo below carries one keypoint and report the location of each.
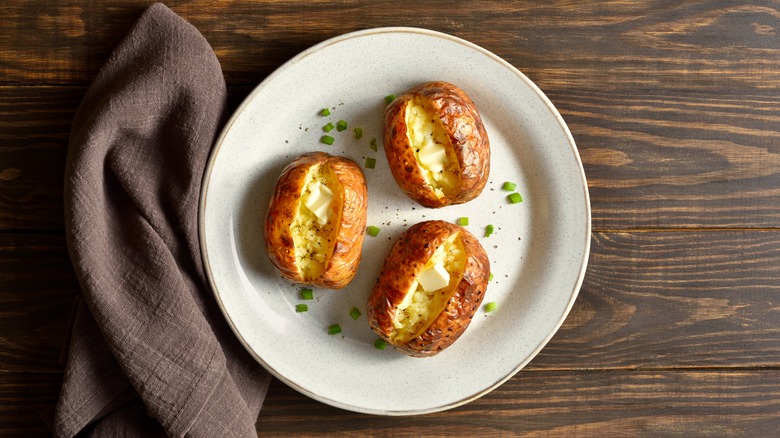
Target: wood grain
(651, 162)
(27, 403)
(37, 291)
(561, 403)
(572, 403)
(35, 124)
(715, 46)
(34, 128)
(679, 299)
(650, 301)
(678, 161)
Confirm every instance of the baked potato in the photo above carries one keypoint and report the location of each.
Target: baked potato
(316, 220)
(436, 145)
(432, 282)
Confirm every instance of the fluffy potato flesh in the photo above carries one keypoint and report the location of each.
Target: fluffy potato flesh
(419, 307)
(314, 240)
(432, 148)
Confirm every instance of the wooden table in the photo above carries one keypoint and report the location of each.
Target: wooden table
(675, 108)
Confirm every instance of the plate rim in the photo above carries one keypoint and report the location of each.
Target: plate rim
(285, 66)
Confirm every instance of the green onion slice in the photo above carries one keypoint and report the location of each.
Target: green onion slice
(370, 163)
(307, 294)
(372, 230)
(329, 127)
(325, 112)
(463, 221)
(514, 198)
(373, 144)
(301, 308)
(489, 230)
(491, 277)
(389, 98)
(358, 132)
(355, 313)
(341, 125)
(491, 306)
(509, 186)
(326, 139)
(334, 329)
(380, 344)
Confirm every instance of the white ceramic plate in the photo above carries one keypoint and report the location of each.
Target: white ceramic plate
(538, 253)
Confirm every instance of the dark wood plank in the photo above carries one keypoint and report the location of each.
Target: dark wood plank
(577, 403)
(652, 162)
(678, 161)
(27, 403)
(37, 291)
(714, 45)
(650, 300)
(34, 127)
(35, 124)
(592, 403)
(674, 299)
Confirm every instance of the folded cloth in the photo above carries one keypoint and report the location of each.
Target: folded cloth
(150, 353)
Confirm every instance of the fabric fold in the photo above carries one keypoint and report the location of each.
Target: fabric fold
(150, 328)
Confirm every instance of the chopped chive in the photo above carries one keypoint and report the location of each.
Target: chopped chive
(389, 98)
(463, 221)
(370, 163)
(358, 132)
(301, 308)
(329, 127)
(334, 329)
(514, 198)
(509, 186)
(326, 139)
(341, 125)
(325, 112)
(307, 294)
(372, 230)
(380, 344)
(355, 313)
(491, 277)
(373, 144)
(489, 230)
(491, 306)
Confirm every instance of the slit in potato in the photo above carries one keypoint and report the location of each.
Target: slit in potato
(420, 307)
(315, 227)
(432, 148)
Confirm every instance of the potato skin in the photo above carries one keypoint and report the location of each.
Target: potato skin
(463, 124)
(402, 265)
(347, 251)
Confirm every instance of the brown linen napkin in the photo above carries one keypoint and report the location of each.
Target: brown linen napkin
(150, 352)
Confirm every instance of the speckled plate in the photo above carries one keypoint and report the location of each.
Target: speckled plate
(538, 253)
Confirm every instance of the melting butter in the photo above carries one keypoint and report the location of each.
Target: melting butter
(319, 202)
(434, 278)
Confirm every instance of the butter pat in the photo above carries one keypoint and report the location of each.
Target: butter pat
(434, 278)
(319, 201)
(433, 156)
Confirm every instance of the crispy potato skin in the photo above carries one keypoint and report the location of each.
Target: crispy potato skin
(347, 252)
(464, 126)
(402, 265)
